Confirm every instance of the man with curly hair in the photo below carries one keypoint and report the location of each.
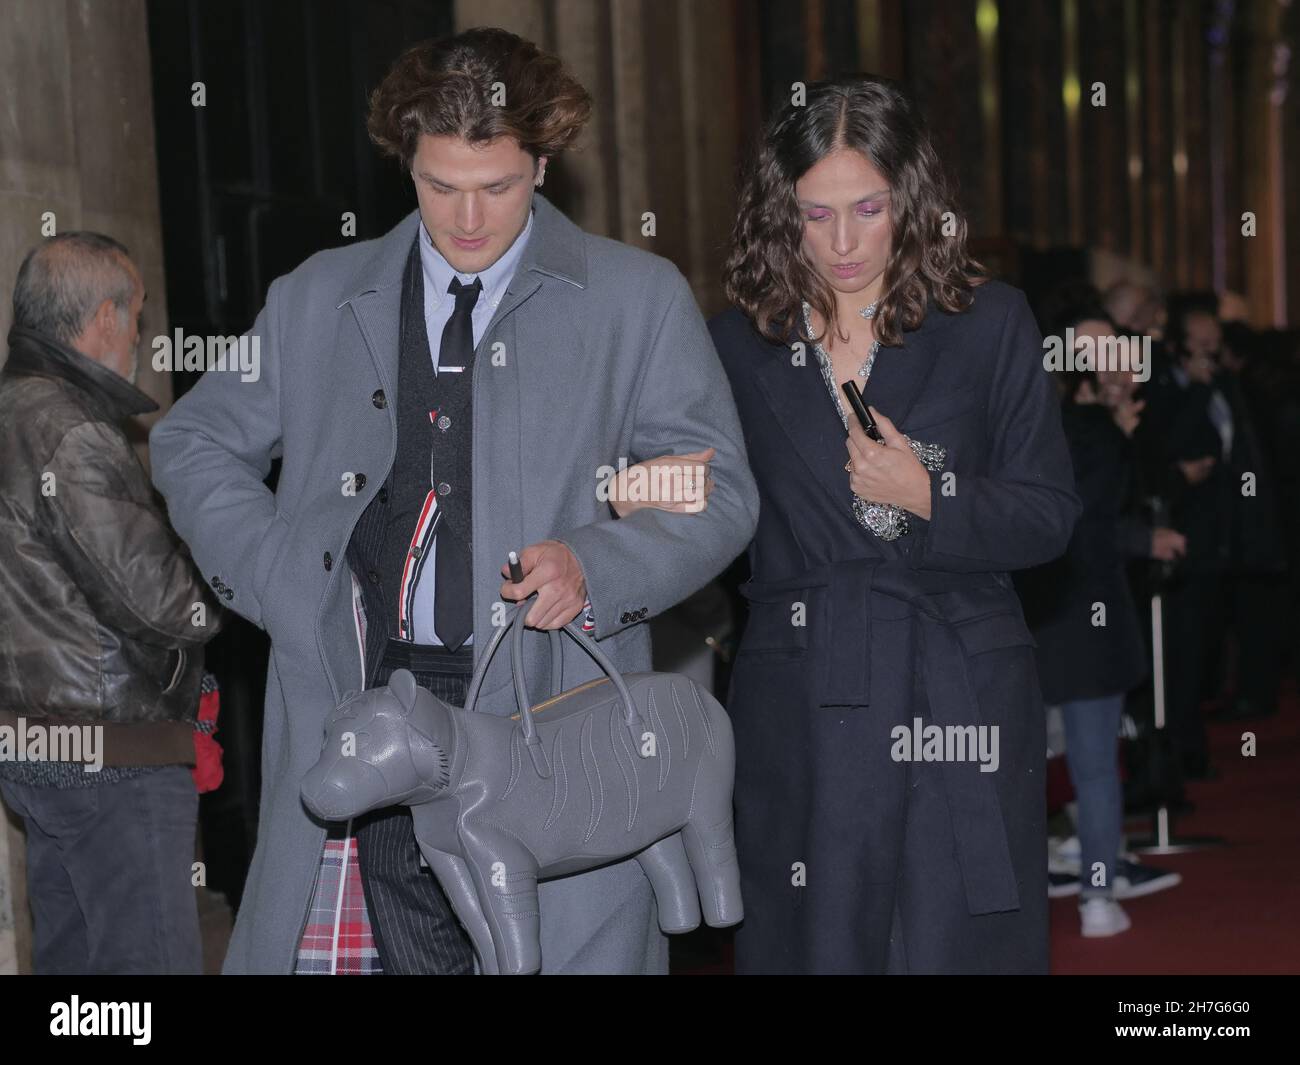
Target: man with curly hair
(441, 396)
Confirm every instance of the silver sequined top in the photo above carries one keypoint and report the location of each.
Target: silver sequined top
(887, 520)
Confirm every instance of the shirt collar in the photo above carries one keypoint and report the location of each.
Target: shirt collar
(438, 271)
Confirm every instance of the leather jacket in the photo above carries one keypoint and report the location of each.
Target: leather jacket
(100, 618)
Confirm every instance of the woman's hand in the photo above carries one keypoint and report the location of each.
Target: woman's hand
(888, 472)
(1167, 545)
(677, 483)
(1127, 413)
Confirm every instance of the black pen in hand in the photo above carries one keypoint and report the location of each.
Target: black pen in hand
(865, 419)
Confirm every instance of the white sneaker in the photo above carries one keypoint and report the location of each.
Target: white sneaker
(1102, 917)
(1063, 855)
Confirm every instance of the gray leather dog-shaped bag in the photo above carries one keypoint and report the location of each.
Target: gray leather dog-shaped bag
(641, 765)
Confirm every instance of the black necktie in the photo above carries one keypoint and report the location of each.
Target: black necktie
(458, 334)
(453, 603)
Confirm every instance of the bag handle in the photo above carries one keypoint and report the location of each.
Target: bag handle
(480, 669)
(632, 718)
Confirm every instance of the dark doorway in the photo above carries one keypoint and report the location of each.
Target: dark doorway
(251, 183)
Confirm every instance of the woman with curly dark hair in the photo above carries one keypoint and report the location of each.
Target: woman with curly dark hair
(889, 725)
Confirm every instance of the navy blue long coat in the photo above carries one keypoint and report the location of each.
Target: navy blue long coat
(1077, 658)
(852, 859)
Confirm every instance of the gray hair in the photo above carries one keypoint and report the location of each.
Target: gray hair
(64, 279)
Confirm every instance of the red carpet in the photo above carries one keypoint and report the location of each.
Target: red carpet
(1237, 910)
(1238, 907)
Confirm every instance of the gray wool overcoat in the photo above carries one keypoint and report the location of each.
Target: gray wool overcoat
(597, 352)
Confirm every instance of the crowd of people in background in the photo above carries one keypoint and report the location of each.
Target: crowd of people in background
(1183, 470)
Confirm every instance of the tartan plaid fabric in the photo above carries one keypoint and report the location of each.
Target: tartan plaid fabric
(338, 891)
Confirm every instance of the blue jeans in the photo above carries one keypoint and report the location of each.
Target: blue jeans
(109, 874)
(1091, 750)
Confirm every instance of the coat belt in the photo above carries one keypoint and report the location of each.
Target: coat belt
(845, 663)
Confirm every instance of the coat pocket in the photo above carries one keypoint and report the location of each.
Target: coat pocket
(1006, 628)
(778, 628)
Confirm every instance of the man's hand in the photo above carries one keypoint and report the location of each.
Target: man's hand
(552, 571)
(888, 472)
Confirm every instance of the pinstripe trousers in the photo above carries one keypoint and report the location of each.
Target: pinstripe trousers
(414, 927)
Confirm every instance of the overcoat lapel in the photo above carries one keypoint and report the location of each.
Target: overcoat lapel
(803, 409)
(375, 293)
(899, 375)
(554, 250)
(506, 415)
(554, 253)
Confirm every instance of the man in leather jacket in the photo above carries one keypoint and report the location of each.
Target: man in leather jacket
(102, 624)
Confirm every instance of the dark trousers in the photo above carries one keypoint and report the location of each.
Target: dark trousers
(1251, 608)
(412, 922)
(1188, 626)
(109, 874)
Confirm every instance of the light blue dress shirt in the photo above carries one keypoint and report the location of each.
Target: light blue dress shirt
(438, 305)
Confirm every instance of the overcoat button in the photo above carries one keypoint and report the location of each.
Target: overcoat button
(379, 399)
(228, 594)
(444, 422)
(329, 561)
(360, 481)
(625, 618)
(444, 488)
(383, 494)
(374, 577)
